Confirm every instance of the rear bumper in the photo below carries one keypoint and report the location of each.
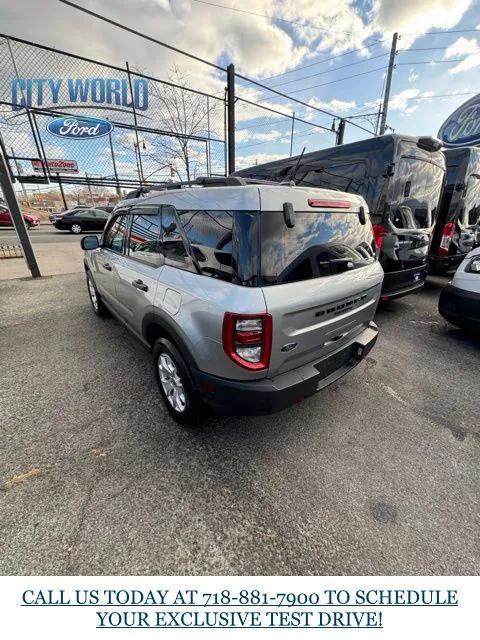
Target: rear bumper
(232, 397)
(460, 307)
(400, 283)
(439, 264)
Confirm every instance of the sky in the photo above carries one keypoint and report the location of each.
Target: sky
(332, 55)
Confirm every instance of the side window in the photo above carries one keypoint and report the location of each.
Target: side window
(115, 235)
(171, 242)
(144, 238)
(86, 213)
(210, 235)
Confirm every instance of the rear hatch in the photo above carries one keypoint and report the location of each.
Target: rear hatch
(320, 279)
(409, 209)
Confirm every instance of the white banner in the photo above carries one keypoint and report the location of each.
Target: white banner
(56, 166)
(240, 607)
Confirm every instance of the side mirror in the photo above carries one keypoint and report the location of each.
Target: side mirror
(289, 214)
(89, 242)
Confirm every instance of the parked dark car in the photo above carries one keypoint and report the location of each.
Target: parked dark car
(400, 177)
(6, 218)
(457, 228)
(53, 217)
(82, 220)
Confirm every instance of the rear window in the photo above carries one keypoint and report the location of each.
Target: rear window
(414, 191)
(320, 244)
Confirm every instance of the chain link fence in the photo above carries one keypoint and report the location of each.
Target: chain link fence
(162, 130)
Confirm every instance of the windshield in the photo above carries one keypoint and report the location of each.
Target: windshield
(320, 244)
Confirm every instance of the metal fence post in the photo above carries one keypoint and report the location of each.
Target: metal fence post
(18, 221)
(62, 192)
(291, 135)
(231, 117)
(140, 166)
(119, 193)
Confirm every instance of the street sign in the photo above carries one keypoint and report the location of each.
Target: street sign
(462, 128)
(56, 166)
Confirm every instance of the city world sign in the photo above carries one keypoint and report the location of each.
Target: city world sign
(61, 92)
(462, 128)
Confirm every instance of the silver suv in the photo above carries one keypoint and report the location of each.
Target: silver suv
(250, 295)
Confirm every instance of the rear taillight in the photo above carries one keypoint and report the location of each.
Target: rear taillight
(247, 339)
(379, 234)
(447, 235)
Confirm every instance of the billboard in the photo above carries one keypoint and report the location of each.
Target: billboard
(462, 127)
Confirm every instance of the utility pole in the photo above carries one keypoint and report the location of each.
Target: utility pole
(231, 117)
(388, 84)
(18, 221)
(340, 132)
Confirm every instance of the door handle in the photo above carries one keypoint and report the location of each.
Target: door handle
(139, 284)
(107, 266)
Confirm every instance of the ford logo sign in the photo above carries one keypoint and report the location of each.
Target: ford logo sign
(79, 128)
(462, 128)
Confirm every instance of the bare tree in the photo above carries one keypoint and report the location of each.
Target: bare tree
(188, 116)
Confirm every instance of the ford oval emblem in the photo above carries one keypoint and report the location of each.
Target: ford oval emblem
(290, 346)
(462, 128)
(79, 128)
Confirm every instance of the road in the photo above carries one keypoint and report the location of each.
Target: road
(378, 474)
(44, 234)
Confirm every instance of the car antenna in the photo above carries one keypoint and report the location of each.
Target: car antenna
(293, 173)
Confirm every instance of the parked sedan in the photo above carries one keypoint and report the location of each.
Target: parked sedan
(6, 219)
(82, 220)
(459, 302)
(53, 217)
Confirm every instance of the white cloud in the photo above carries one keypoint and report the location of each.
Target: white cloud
(413, 75)
(462, 47)
(256, 158)
(339, 106)
(468, 47)
(410, 17)
(406, 101)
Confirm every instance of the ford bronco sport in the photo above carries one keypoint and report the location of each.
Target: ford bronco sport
(250, 295)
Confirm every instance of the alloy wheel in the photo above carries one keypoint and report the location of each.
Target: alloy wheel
(76, 228)
(171, 382)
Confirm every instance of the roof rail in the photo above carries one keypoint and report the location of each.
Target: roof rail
(203, 181)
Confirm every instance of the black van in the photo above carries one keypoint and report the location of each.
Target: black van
(400, 177)
(457, 227)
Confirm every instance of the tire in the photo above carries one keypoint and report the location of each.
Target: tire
(175, 382)
(75, 228)
(95, 298)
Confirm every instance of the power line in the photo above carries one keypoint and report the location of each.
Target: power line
(446, 31)
(313, 64)
(141, 35)
(263, 15)
(321, 73)
(324, 84)
(431, 61)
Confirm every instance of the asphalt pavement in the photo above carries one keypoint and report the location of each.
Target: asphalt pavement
(378, 474)
(43, 234)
